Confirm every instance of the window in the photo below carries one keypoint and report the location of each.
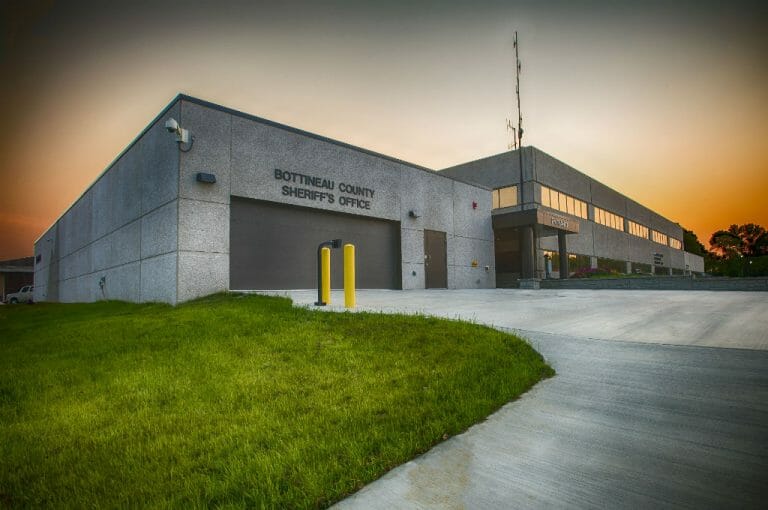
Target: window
(504, 197)
(609, 219)
(675, 243)
(575, 262)
(562, 202)
(637, 229)
(659, 237)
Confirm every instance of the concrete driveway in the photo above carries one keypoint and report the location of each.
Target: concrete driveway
(704, 318)
(639, 415)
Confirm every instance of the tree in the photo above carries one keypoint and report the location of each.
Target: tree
(741, 250)
(691, 243)
(747, 240)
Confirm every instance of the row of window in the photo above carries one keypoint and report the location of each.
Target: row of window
(563, 202)
(658, 237)
(507, 197)
(567, 204)
(609, 219)
(637, 229)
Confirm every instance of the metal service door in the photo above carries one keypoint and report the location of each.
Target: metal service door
(435, 260)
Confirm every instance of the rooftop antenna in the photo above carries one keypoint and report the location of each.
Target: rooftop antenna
(519, 133)
(512, 144)
(518, 67)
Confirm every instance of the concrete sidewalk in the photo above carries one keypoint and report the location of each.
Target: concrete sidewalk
(624, 424)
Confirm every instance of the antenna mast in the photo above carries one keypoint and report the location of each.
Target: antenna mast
(513, 144)
(519, 139)
(518, 67)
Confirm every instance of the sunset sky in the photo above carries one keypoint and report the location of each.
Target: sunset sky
(666, 102)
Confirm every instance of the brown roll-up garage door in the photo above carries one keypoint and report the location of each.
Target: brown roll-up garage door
(274, 246)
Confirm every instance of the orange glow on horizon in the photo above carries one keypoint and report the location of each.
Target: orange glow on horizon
(645, 103)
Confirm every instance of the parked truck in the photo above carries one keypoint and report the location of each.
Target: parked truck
(24, 295)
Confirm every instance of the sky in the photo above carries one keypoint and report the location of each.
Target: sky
(665, 102)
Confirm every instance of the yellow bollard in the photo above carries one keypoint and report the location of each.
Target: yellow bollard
(325, 267)
(349, 275)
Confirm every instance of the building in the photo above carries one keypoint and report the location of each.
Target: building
(14, 274)
(209, 199)
(244, 203)
(564, 214)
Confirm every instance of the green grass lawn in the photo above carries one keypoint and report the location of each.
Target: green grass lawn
(234, 400)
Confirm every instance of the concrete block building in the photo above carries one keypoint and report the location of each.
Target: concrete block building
(560, 214)
(209, 199)
(243, 204)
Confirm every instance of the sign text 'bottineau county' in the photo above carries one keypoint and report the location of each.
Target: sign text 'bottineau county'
(359, 194)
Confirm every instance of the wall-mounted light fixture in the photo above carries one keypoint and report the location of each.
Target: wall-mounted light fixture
(206, 178)
(182, 135)
(474, 205)
(413, 214)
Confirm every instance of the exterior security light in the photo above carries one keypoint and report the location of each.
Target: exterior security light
(206, 178)
(412, 214)
(182, 135)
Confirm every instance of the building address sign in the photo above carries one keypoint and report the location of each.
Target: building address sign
(557, 221)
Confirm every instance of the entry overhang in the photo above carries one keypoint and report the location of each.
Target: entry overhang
(537, 217)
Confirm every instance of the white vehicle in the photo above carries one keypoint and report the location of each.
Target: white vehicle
(22, 296)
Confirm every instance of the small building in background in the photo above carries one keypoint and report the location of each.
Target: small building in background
(14, 274)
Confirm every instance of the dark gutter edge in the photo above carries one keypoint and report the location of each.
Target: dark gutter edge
(111, 164)
(284, 127)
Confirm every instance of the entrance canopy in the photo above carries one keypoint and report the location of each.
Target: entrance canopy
(516, 233)
(546, 222)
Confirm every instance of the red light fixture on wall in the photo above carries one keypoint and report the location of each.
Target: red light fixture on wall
(474, 205)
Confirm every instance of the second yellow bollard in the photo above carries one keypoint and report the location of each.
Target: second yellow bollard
(349, 275)
(325, 269)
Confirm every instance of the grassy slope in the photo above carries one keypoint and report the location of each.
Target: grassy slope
(233, 400)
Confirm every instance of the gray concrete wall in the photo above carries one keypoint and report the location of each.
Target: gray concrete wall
(693, 263)
(243, 152)
(122, 229)
(204, 208)
(472, 240)
(557, 175)
(153, 233)
(493, 172)
(606, 199)
(593, 239)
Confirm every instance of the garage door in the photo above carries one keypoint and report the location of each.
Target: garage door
(274, 246)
